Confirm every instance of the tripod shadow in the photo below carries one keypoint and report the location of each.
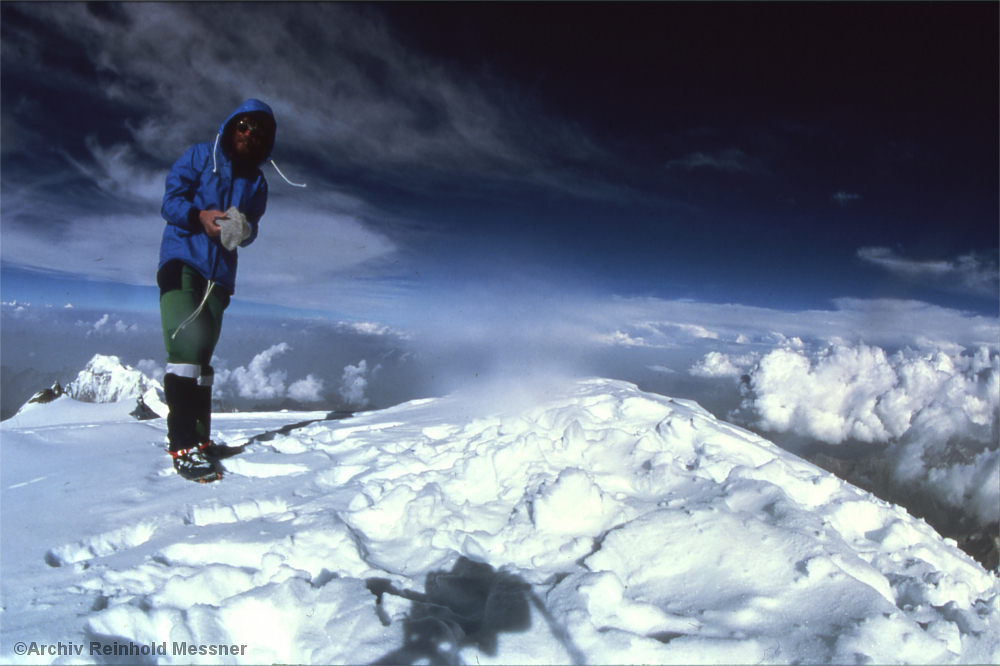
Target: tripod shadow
(470, 605)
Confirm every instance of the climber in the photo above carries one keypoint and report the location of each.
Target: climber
(215, 197)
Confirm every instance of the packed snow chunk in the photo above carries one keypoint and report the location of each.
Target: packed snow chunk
(609, 606)
(574, 505)
(697, 558)
(891, 639)
(287, 445)
(296, 623)
(215, 512)
(603, 626)
(385, 518)
(263, 470)
(806, 484)
(243, 554)
(103, 545)
(322, 547)
(291, 622)
(438, 432)
(408, 531)
(208, 585)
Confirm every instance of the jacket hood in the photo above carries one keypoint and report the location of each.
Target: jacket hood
(251, 106)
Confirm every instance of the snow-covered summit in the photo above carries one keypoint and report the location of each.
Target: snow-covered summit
(106, 379)
(581, 522)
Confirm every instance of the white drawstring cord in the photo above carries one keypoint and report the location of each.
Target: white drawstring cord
(215, 169)
(285, 177)
(215, 165)
(196, 312)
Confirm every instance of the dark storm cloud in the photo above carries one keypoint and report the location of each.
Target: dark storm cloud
(89, 139)
(346, 94)
(711, 153)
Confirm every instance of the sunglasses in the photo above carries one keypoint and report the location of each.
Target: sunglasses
(246, 126)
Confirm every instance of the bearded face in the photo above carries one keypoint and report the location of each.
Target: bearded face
(251, 138)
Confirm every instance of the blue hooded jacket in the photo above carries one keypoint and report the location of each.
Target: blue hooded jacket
(203, 179)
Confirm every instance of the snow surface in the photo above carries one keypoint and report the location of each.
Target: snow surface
(581, 522)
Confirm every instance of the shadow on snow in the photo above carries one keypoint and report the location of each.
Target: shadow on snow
(471, 605)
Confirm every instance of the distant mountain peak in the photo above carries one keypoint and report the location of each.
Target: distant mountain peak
(48, 394)
(107, 379)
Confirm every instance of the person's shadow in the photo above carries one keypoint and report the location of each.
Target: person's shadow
(469, 605)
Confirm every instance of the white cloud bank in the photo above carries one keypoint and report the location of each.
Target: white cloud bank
(261, 381)
(659, 323)
(355, 382)
(257, 380)
(717, 364)
(303, 244)
(309, 389)
(938, 410)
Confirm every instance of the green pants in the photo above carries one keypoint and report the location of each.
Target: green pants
(189, 350)
(187, 383)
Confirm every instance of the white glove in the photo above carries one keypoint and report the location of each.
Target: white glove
(235, 228)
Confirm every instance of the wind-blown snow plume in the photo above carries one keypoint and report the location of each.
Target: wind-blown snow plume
(938, 410)
(355, 383)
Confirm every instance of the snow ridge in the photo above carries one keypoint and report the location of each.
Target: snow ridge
(588, 522)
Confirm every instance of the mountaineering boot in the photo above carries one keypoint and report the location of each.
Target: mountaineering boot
(181, 395)
(192, 465)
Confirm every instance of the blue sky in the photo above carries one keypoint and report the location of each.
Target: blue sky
(529, 176)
